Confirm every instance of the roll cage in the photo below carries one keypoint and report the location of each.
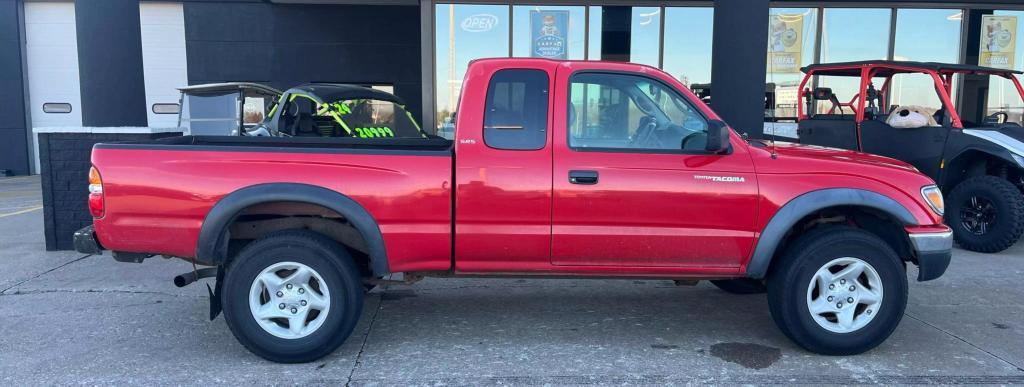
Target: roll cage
(940, 73)
(337, 101)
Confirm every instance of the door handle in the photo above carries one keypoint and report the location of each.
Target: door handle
(583, 177)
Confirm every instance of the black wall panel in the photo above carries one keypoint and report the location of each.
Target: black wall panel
(286, 45)
(738, 63)
(110, 63)
(615, 33)
(13, 121)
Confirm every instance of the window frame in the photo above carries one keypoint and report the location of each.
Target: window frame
(547, 118)
(568, 133)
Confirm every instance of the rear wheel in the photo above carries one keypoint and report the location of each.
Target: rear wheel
(838, 291)
(741, 286)
(986, 214)
(292, 296)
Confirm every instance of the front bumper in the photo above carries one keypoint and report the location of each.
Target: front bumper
(933, 251)
(86, 242)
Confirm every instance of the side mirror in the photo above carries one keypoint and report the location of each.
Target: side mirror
(718, 137)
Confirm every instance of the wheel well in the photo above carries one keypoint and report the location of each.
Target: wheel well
(879, 223)
(258, 220)
(974, 163)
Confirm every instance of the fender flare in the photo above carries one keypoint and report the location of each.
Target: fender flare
(212, 244)
(791, 213)
(989, 151)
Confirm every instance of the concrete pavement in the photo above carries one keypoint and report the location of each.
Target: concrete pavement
(66, 318)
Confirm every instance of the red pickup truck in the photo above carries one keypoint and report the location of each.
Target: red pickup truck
(558, 168)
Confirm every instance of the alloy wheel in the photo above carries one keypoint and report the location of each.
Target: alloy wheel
(978, 215)
(289, 300)
(844, 295)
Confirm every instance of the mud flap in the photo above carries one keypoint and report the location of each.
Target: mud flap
(215, 306)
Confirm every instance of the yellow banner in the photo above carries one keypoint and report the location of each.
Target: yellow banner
(785, 43)
(998, 41)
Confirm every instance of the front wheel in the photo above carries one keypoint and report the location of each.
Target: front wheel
(986, 214)
(292, 296)
(838, 291)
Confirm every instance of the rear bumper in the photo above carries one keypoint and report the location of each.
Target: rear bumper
(933, 251)
(86, 242)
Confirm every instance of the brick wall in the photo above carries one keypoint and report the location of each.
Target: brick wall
(64, 159)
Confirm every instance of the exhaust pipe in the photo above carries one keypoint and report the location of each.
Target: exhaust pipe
(185, 279)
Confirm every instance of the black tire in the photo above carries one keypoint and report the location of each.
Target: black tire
(325, 256)
(741, 286)
(995, 195)
(790, 277)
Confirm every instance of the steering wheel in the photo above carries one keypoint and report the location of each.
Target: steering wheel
(645, 133)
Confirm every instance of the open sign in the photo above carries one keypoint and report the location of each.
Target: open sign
(479, 23)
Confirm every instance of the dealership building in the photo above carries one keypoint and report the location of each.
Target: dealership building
(104, 66)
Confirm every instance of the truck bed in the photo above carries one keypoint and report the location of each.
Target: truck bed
(158, 193)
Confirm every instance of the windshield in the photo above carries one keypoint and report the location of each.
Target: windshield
(1004, 103)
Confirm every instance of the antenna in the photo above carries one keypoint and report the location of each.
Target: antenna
(771, 78)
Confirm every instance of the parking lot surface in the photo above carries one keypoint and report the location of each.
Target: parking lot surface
(68, 318)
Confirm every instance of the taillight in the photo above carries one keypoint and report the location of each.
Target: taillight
(95, 193)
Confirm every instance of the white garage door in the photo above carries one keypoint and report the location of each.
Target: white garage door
(51, 52)
(163, 59)
(51, 55)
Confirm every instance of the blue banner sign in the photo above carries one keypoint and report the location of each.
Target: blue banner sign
(548, 32)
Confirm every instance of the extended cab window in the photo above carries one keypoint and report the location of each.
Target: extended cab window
(626, 112)
(516, 110)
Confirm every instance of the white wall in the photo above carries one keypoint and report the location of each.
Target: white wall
(163, 57)
(51, 55)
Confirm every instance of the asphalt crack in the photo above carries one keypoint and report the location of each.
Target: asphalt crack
(366, 337)
(951, 334)
(107, 291)
(2, 292)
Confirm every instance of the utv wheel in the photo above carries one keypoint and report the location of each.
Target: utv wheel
(986, 214)
(292, 296)
(741, 286)
(838, 291)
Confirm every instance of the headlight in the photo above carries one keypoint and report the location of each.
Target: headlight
(933, 196)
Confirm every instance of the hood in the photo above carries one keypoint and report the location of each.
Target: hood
(1009, 137)
(813, 158)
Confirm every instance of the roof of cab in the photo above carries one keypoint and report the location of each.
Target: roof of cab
(329, 92)
(890, 67)
(229, 86)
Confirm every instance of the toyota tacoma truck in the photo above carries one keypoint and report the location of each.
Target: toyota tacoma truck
(557, 169)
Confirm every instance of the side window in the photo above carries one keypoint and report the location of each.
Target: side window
(626, 112)
(516, 112)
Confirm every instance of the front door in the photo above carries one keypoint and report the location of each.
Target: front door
(633, 187)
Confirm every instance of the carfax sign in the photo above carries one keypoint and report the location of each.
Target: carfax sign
(785, 43)
(998, 41)
(548, 32)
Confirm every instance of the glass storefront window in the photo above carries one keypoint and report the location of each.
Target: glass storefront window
(852, 34)
(925, 35)
(463, 32)
(688, 56)
(1002, 94)
(552, 32)
(792, 36)
(645, 35)
(594, 33)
